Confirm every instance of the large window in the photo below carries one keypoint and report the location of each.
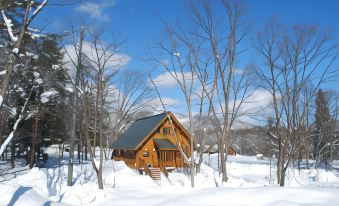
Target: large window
(167, 156)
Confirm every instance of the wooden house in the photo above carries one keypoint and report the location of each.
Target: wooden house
(214, 149)
(150, 143)
(231, 151)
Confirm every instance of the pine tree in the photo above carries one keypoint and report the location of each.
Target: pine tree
(321, 138)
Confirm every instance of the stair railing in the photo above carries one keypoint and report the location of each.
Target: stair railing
(147, 170)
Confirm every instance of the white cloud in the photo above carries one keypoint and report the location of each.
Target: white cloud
(166, 80)
(166, 100)
(183, 120)
(156, 104)
(97, 10)
(238, 71)
(258, 101)
(256, 107)
(253, 110)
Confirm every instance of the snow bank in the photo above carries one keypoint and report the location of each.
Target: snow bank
(248, 177)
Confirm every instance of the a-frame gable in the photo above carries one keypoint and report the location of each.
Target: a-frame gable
(176, 124)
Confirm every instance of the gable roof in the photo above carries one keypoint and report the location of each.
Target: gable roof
(165, 144)
(139, 130)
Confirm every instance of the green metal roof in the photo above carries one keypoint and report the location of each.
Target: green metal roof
(137, 132)
(164, 144)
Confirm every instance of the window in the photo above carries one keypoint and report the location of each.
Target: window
(167, 131)
(167, 156)
(157, 131)
(145, 154)
(117, 153)
(129, 154)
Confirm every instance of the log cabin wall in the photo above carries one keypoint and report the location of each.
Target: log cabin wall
(128, 156)
(149, 152)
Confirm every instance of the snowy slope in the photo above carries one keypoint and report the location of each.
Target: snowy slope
(248, 185)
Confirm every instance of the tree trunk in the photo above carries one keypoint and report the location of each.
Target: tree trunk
(71, 149)
(100, 180)
(202, 146)
(86, 136)
(79, 150)
(307, 161)
(62, 152)
(279, 164)
(191, 142)
(223, 160)
(13, 154)
(60, 148)
(299, 161)
(6, 153)
(95, 121)
(282, 180)
(35, 132)
(330, 159)
(86, 150)
(74, 115)
(316, 164)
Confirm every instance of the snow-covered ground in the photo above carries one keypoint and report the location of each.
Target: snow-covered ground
(249, 184)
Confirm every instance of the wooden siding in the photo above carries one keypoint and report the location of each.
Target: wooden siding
(154, 152)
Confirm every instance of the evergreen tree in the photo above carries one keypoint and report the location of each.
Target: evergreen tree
(321, 138)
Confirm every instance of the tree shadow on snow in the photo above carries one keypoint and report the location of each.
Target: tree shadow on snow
(48, 203)
(53, 180)
(20, 191)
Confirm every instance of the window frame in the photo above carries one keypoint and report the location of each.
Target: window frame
(166, 130)
(145, 154)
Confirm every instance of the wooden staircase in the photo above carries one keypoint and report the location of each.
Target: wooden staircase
(155, 173)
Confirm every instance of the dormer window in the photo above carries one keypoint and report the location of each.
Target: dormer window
(167, 130)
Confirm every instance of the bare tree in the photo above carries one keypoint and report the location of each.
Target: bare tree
(132, 94)
(180, 67)
(303, 56)
(224, 51)
(105, 61)
(77, 44)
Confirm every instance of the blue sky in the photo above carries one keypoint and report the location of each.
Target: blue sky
(139, 21)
